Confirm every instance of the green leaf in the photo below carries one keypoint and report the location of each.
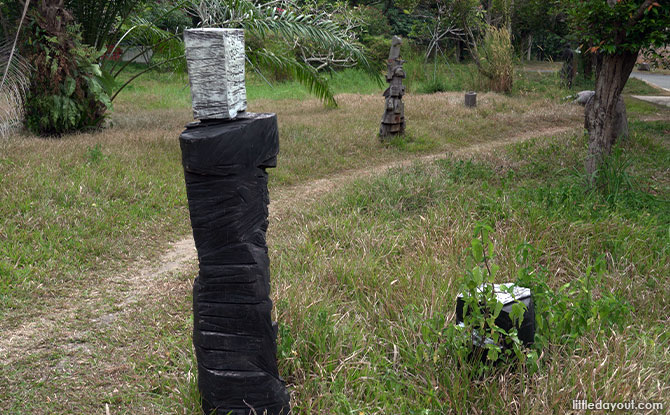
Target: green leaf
(477, 250)
(517, 312)
(69, 86)
(497, 309)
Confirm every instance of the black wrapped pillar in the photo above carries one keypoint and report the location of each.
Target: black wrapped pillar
(233, 334)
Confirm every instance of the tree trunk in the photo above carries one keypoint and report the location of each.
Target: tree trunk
(587, 63)
(489, 12)
(530, 45)
(612, 72)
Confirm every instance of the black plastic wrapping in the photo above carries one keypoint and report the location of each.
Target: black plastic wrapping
(233, 333)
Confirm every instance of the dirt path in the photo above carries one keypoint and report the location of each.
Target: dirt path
(142, 277)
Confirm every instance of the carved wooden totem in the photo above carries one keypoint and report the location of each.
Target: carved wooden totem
(225, 157)
(393, 121)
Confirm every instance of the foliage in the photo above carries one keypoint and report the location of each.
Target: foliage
(14, 78)
(67, 90)
(14, 70)
(575, 309)
(374, 22)
(101, 20)
(562, 316)
(539, 26)
(167, 48)
(314, 31)
(401, 22)
(613, 27)
(442, 20)
(377, 48)
(481, 307)
(615, 31)
(166, 15)
(495, 58)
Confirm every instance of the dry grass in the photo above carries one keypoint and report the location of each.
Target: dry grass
(86, 218)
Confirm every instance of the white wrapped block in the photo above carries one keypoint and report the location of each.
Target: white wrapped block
(215, 60)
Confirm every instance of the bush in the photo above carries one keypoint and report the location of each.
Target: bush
(496, 59)
(377, 48)
(374, 23)
(66, 91)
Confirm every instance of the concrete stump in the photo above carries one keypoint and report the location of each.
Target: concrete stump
(471, 99)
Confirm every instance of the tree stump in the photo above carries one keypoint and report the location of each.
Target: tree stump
(393, 120)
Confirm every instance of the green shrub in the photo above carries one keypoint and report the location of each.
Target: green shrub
(374, 23)
(436, 84)
(377, 48)
(67, 90)
(278, 47)
(561, 316)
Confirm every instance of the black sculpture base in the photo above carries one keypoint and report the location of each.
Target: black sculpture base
(525, 331)
(233, 333)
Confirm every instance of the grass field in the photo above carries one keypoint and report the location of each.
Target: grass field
(364, 272)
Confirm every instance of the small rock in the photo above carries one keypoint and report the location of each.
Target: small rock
(584, 96)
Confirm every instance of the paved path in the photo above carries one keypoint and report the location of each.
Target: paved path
(659, 100)
(658, 80)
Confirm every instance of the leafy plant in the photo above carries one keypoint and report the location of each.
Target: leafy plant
(67, 90)
(573, 310)
(101, 19)
(561, 316)
(617, 31)
(482, 307)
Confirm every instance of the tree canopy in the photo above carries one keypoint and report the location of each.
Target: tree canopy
(616, 26)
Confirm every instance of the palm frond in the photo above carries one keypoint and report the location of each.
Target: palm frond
(100, 19)
(317, 31)
(302, 72)
(13, 88)
(14, 81)
(167, 49)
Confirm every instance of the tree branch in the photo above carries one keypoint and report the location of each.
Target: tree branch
(640, 12)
